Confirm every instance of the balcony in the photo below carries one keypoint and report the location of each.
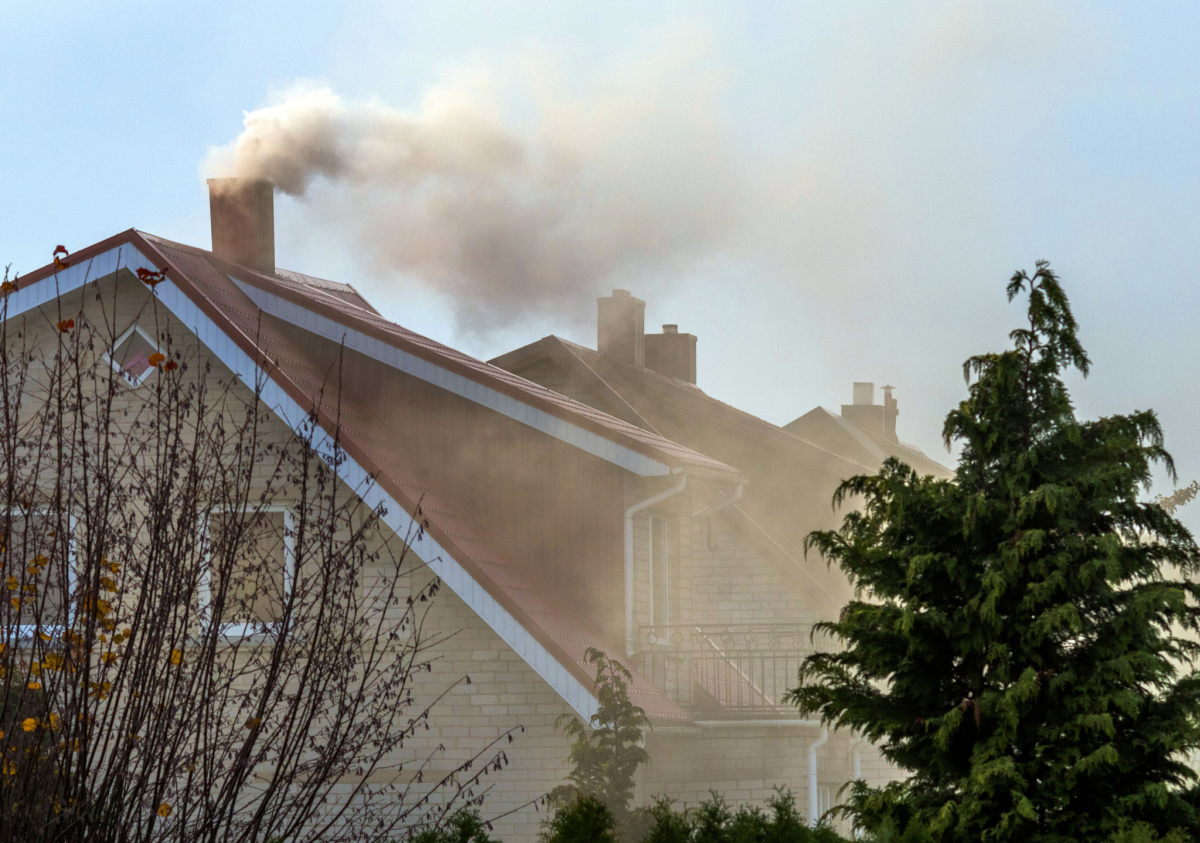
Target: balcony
(726, 672)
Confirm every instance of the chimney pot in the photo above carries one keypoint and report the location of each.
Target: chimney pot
(242, 215)
(670, 329)
(864, 393)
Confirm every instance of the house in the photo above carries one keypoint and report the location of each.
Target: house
(569, 499)
(649, 380)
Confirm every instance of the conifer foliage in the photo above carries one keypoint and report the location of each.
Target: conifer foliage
(1022, 635)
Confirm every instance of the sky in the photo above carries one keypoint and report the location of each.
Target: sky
(823, 193)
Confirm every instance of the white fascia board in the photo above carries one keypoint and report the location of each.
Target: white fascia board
(455, 383)
(222, 346)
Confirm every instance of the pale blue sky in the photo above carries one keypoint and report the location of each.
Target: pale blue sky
(890, 165)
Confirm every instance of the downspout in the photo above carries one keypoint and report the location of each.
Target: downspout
(721, 504)
(856, 756)
(630, 639)
(814, 812)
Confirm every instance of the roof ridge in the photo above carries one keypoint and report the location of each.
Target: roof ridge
(604, 424)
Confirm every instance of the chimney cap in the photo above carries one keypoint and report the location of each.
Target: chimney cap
(621, 294)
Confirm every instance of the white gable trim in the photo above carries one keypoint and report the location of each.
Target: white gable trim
(443, 378)
(444, 565)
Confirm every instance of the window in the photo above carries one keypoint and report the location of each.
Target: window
(824, 800)
(38, 554)
(130, 356)
(250, 570)
(661, 573)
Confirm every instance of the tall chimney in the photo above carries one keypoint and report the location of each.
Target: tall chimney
(621, 326)
(672, 354)
(242, 213)
(890, 411)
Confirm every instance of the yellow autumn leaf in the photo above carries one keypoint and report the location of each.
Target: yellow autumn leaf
(16, 604)
(164, 810)
(53, 661)
(44, 636)
(12, 583)
(55, 721)
(176, 658)
(34, 686)
(109, 658)
(252, 722)
(10, 769)
(29, 724)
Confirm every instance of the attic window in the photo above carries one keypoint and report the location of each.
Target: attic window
(130, 356)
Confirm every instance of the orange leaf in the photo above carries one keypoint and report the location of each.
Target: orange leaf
(156, 358)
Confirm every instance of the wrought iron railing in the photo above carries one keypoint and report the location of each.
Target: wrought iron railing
(726, 671)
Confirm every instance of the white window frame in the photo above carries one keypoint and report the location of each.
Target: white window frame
(126, 378)
(666, 570)
(241, 630)
(26, 631)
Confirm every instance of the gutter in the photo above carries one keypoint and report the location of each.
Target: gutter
(630, 638)
(719, 505)
(814, 812)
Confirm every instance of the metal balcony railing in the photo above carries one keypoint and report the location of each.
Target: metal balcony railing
(726, 671)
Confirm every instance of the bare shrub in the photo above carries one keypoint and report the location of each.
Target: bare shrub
(205, 634)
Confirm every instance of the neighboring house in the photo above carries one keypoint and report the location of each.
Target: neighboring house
(586, 512)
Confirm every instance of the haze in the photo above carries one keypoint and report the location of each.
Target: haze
(822, 193)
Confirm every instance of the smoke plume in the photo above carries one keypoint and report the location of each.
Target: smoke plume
(510, 217)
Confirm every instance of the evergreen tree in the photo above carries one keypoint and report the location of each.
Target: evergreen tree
(1022, 637)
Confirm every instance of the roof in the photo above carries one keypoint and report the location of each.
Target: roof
(220, 291)
(633, 391)
(822, 425)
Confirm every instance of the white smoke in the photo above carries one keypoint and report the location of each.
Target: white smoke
(511, 217)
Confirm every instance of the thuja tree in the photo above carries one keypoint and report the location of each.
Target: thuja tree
(1023, 636)
(605, 755)
(204, 635)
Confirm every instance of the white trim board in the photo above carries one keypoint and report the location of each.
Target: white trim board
(221, 345)
(453, 382)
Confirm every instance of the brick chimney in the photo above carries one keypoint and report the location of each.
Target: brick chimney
(672, 354)
(242, 213)
(621, 326)
(874, 418)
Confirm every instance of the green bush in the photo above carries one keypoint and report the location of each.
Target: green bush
(713, 821)
(585, 819)
(466, 826)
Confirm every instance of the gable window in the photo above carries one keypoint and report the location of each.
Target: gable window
(661, 571)
(38, 554)
(250, 569)
(130, 356)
